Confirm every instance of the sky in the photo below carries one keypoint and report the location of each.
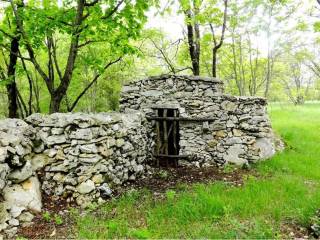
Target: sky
(171, 24)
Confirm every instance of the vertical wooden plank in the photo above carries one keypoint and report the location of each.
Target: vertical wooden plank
(165, 136)
(175, 144)
(158, 144)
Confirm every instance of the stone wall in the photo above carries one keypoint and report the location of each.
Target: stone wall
(167, 90)
(78, 156)
(82, 157)
(239, 133)
(238, 129)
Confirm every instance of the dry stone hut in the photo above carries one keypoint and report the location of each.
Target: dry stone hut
(194, 121)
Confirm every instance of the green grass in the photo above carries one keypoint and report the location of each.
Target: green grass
(288, 194)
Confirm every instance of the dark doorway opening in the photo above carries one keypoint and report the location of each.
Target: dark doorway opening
(167, 144)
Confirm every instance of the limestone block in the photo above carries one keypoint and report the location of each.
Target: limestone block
(20, 175)
(3, 154)
(81, 134)
(4, 170)
(86, 187)
(26, 217)
(266, 148)
(24, 196)
(38, 161)
(229, 106)
(105, 190)
(55, 139)
(4, 216)
(57, 131)
(90, 148)
(89, 158)
(232, 155)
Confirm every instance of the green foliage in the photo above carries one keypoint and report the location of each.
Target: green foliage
(58, 219)
(170, 194)
(140, 234)
(47, 216)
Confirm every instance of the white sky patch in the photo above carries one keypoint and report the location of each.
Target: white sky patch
(171, 24)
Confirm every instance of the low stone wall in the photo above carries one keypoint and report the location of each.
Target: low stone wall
(240, 131)
(78, 156)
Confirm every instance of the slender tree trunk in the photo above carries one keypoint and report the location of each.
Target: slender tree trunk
(214, 62)
(217, 45)
(194, 54)
(12, 90)
(268, 77)
(55, 102)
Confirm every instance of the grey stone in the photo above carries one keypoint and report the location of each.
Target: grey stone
(11, 232)
(119, 142)
(55, 139)
(129, 89)
(22, 174)
(19, 150)
(4, 171)
(26, 217)
(4, 216)
(91, 148)
(13, 222)
(26, 196)
(57, 131)
(105, 190)
(152, 93)
(38, 161)
(81, 134)
(209, 93)
(232, 155)
(89, 158)
(266, 148)
(86, 187)
(3, 154)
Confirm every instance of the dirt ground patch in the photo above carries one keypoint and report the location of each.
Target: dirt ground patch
(169, 178)
(55, 221)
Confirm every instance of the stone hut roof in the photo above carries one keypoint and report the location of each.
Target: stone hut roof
(182, 78)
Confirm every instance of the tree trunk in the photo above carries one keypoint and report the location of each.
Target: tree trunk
(214, 62)
(55, 102)
(12, 90)
(193, 51)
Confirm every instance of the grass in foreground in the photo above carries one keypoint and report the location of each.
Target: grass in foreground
(289, 194)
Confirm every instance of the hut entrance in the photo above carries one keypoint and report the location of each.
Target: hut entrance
(167, 141)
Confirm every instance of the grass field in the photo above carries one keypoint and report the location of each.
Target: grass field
(286, 194)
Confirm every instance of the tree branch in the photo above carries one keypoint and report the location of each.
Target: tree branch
(95, 79)
(54, 54)
(91, 3)
(113, 10)
(7, 34)
(28, 45)
(30, 85)
(15, 54)
(224, 25)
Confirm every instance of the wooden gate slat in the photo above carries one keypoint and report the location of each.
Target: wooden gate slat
(165, 135)
(158, 144)
(175, 137)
